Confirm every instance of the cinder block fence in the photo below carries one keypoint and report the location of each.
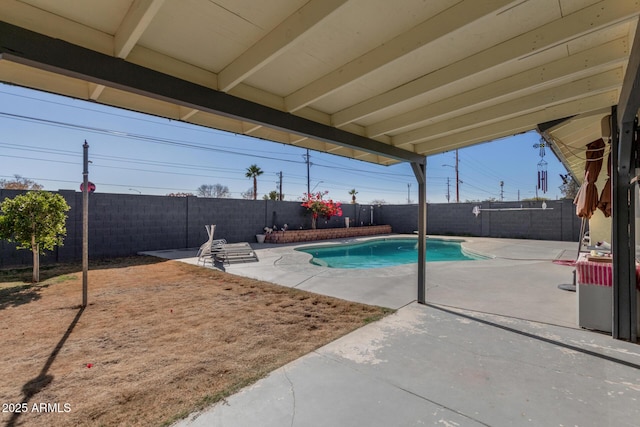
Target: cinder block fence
(125, 224)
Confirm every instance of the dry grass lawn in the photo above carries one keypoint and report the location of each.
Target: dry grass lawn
(158, 340)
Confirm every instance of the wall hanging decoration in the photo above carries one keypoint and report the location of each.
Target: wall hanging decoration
(543, 182)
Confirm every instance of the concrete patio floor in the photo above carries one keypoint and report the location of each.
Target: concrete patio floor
(497, 344)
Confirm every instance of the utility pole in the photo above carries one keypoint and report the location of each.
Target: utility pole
(518, 194)
(280, 187)
(408, 194)
(501, 191)
(448, 193)
(308, 176)
(457, 180)
(85, 222)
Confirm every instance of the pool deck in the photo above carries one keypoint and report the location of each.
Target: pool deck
(497, 344)
(482, 285)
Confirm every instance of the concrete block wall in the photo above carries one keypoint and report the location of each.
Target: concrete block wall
(124, 224)
(557, 222)
(453, 219)
(524, 220)
(402, 218)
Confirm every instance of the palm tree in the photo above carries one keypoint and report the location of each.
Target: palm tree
(254, 171)
(353, 193)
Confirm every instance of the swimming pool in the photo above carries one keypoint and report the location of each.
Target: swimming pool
(379, 253)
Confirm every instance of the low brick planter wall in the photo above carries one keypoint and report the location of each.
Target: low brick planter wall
(291, 236)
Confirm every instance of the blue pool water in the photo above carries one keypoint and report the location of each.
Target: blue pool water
(384, 253)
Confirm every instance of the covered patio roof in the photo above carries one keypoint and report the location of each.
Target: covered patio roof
(375, 80)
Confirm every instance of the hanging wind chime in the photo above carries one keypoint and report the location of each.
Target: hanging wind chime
(542, 167)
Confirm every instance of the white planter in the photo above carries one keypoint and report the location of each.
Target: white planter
(260, 238)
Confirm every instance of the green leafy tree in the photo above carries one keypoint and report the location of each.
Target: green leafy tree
(254, 172)
(569, 187)
(273, 195)
(36, 221)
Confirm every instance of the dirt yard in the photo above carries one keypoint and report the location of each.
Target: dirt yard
(158, 340)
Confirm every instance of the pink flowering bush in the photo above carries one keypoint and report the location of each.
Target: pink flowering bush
(319, 207)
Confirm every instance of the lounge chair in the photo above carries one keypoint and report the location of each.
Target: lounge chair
(205, 253)
(234, 252)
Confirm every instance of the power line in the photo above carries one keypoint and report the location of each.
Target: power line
(172, 123)
(181, 143)
(110, 158)
(152, 163)
(147, 138)
(372, 175)
(139, 137)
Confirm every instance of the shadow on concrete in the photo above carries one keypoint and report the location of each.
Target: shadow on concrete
(537, 337)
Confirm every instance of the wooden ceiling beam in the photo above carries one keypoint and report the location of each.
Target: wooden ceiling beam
(134, 24)
(277, 41)
(588, 20)
(585, 87)
(35, 50)
(571, 67)
(452, 19)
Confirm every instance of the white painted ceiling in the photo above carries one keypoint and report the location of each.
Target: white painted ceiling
(422, 76)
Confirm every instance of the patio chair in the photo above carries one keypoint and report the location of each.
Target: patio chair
(206, 251)
(234, 252)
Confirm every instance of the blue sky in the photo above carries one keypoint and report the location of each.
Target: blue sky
(42, 137)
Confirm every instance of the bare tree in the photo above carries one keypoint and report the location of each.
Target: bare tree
(19, 183)
(220, 191)
(213, 190)
(249, 194)
(205, 190)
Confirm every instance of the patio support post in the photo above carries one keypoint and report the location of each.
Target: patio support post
(623, 236)
(420, 171)
(85, 222)
(624, 140)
